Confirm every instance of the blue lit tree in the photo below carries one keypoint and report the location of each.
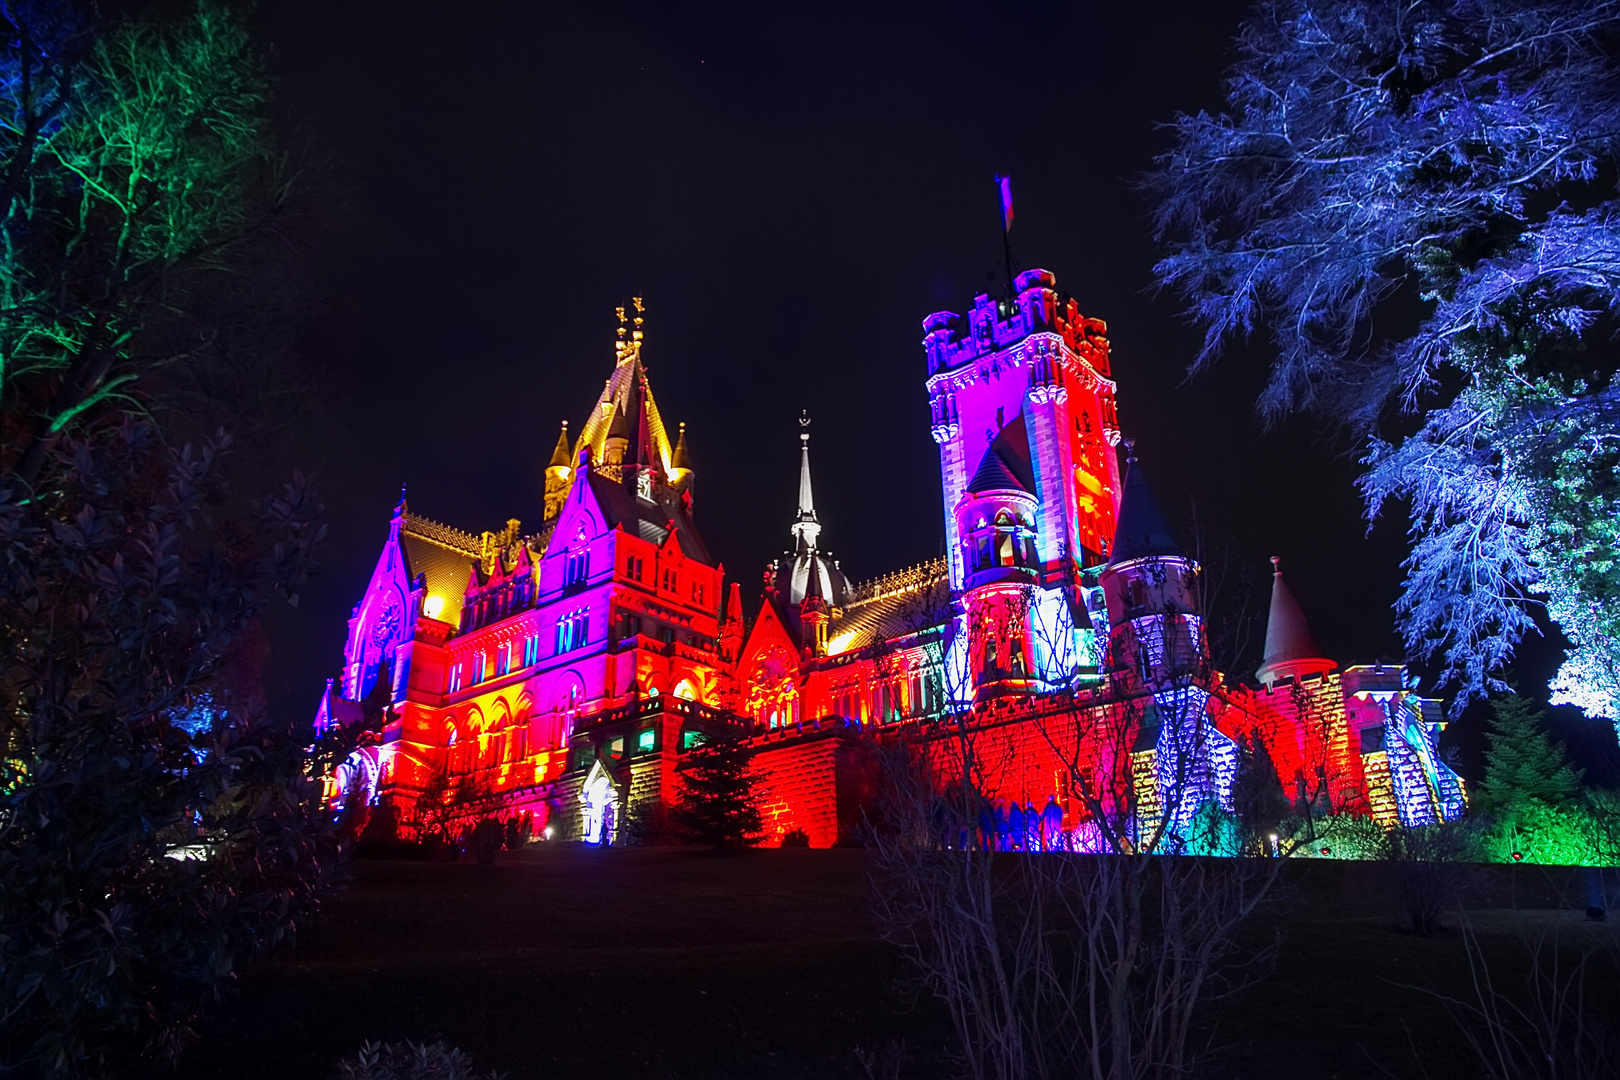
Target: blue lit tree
(1452, 158)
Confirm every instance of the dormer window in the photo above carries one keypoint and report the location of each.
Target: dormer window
(577, 569)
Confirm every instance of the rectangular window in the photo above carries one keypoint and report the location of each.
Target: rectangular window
(577, 569)
(477, 672)
(647, 739)
(455, 678)
(697, 591)
(503, 660)
(531, 650)
(572, 631)
(632, 568)
(669, 580)
(690, 739)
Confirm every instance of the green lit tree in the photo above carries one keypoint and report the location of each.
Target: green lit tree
(1524, 764)
(719, 793)
(159, 829)
(137, 180)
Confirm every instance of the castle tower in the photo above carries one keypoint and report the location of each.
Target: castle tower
(559, 473)
(1291, 652)
(1023, 412)
(1032, 372)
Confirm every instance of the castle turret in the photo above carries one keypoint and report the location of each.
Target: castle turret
(1154, 614)
(1291, 652)
(680, 467)
(559, 473)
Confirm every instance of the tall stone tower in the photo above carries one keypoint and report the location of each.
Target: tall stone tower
(1023, 411)
(1032, 369)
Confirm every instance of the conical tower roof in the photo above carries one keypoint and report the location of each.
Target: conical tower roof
(1291, 648)
(993, 474)
(681, 461)
(560, 456)
(1142, 531)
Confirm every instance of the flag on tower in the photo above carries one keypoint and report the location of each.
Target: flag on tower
(1005, 183)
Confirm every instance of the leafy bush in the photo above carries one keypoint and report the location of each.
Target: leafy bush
(648, 825)
(157, 829)
(796, 838)
(408, 1061)
(486, 840)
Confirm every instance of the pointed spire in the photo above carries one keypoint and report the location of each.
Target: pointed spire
(618, 426)
(1291, 648)
(806, 529)
(1142, 531)
(681, 461)
(734, 612)
(401, 508)
(560, 457)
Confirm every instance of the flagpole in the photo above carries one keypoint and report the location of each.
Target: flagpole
(1004, 191)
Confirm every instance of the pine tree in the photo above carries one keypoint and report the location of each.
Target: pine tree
(719, 792)
(1258, 800)
(1524, 764)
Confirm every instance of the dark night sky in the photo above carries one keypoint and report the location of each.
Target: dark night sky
(792, 189)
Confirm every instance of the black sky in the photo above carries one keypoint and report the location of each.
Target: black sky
(792, 188)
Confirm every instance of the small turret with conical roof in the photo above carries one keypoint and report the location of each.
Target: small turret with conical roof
(559, 473)
(1291, 652)
(1154, 614)
(680, 466)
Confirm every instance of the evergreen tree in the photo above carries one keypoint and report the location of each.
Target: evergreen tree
(1524, 764)
(718, 797)
(1257, 795)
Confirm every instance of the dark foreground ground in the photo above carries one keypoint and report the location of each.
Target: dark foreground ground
(565, 961)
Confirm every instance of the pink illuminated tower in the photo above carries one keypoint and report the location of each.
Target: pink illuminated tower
(1023, 410)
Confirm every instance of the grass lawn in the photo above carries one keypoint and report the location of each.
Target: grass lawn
(566, 961)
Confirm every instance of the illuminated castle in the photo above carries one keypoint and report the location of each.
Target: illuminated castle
(563, 672)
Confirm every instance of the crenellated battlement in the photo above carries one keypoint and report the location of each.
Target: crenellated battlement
(994, 325)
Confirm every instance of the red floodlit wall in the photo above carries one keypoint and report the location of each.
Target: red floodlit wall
(800, 791)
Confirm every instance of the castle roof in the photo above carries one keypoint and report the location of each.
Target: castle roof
(1142, 531)
(647, 518)
(1291, 648)
(1006, 464)
(679, 460)
(443, 556)
(628, 393)
(893, 606)
(560, 455)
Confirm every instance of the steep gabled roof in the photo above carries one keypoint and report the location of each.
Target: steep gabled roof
(648, 520)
